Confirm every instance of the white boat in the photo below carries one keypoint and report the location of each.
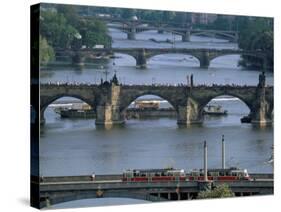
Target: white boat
(214, 110)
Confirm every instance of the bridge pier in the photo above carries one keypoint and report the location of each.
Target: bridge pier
(131, 34)
(108, 115)
(261, 113)
(186, 36)
(108, 111)
(189, 114)
(205, 60)
(141, 59)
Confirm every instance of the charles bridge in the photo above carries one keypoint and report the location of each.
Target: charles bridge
(141, 55)
(111, 99)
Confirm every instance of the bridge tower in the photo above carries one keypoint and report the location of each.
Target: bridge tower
(261, 112)
(108, 108)
(189, 113)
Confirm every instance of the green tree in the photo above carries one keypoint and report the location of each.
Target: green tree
(46, 52)
(222, 23)
(55, 28)
(128, 13)
(94, 32)
(256, 34)
(219, 191)
(70, 12)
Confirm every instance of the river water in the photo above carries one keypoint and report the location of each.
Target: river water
(76, 147)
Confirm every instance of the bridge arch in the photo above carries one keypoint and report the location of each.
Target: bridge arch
(82, 195)
(225, 57)
(192, 57)
(131, 98)
(215, 56)
(246, 102)
(45, 102)
(132, 57)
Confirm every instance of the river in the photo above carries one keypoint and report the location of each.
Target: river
(76, 147)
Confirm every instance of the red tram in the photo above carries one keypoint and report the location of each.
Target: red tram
(170, 174)
(154, 175)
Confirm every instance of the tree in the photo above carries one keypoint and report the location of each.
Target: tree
(55, 28)
(70, 13)
(128, 13)
(256, 34)
(94, 32)
(46, 52)
(220, 191)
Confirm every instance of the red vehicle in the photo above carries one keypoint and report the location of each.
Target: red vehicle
(230, 174)
(170, 174)
(154, 175)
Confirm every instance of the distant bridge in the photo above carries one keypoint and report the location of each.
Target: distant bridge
(185, 33)
(110, 99)
(54, 190)
(131, 27)
(141, 55)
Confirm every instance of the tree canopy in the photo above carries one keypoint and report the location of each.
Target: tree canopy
(61, 26)
(220, 191)
(46, 52)
(256, 34)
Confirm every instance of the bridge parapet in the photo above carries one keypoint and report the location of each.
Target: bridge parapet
(141, 55)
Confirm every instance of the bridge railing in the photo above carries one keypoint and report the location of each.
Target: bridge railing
(83, 84)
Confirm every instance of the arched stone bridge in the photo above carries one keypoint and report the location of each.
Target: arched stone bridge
(141, 55)
(110, 100)
(185, 33)
(131, 27)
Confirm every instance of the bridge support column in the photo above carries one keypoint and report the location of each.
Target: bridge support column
(159, 196)
(261, 113)
(190, 113)
(186, 36)
(141, 59)
(108, 112)
(205, 60)
(131, 34)
(78, 60)
(169, 196)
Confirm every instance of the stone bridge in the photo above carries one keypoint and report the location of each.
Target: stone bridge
(185, 33)
(131, 27)
(110, 99)
(141, 55)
